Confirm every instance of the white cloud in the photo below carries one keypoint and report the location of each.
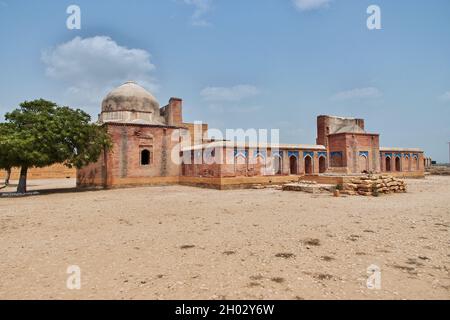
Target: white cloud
(306, 5)
(202, 7)
(90, 67)
(358, 93)
(236, 93)
(445, 97)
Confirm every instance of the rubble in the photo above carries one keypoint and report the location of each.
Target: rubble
(373, 185)
(309, 187)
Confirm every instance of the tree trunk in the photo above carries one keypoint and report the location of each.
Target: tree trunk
(8, 175)
(22, 187)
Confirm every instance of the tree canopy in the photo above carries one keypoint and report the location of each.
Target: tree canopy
(39, 133)
(5, 145)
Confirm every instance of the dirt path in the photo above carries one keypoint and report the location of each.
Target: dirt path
(188, 243)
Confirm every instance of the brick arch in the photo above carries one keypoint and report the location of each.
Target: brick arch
(240, 159)
(407, 161)
(414, 163)
(363, 163)
(387, 164)
(293, 164)
(308, 164)
(278, 164)
(322, 164)
(398, 164)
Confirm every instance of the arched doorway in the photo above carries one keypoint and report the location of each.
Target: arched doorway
(278, 164)
(322, 164)
(293, 165)
(240, 163)
(308, 165)
(260, 165)
(397, 164)
(414, 162)
(388, 164)
(363, 163)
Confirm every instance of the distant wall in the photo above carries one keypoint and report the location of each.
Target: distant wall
(57, 171)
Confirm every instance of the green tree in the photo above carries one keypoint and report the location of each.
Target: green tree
(40, 133)
(4, 154)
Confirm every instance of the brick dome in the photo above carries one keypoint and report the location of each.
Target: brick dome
(130, 103)
(130, 97)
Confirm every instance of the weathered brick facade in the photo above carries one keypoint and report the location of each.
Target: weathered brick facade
(148, 149)
(356, 152)
(122, 164)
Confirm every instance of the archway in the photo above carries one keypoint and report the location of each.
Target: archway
(260, 165)
(278, 164)
(388, 164)
(240, 164)
(414, 162)
(293, 165)
(397, 164)
(363, 163)
(322, 164)
(308, 165)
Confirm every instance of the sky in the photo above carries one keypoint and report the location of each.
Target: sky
(263, 64)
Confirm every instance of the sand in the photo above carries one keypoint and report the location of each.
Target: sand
(187, 243)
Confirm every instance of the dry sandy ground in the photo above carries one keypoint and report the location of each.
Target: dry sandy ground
(188, 243)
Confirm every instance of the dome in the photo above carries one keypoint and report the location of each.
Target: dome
(130, 97)
(130, 103)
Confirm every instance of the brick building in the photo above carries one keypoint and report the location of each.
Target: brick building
(152, 145)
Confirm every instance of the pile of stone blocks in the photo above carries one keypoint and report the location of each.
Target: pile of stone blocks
(373, 185)
(309, 187)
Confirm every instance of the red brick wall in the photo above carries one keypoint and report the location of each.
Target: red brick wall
(338, 143)
(361, 143)
(351, 144)
(93, 174)
(322, 123)
(123, 162)
(246, 167)
(173, 112)
(407, 164)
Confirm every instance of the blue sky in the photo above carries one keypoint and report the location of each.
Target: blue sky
(242, 64)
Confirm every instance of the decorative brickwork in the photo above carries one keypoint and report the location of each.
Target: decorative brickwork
(342, 147)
